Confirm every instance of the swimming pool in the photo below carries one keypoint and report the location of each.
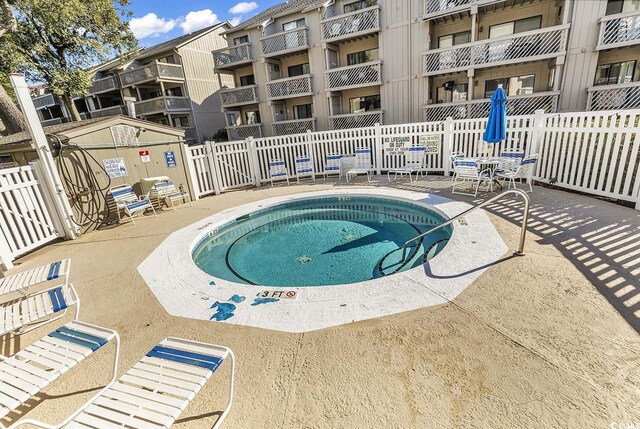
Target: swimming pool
(321, 241)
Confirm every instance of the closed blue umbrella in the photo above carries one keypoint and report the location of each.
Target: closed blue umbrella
(497, 124)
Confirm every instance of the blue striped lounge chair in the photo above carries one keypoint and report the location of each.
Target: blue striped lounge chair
(468, 170)
(165, 192)
(510, 160)
(362, 165)
(22, 281)
(332, 165)
(304, 168)
(414, 163)
(156, 390)
(129, 203)
(523, 171)
(26, 373)
(278, 171)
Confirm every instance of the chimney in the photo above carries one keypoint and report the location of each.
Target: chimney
(130, 102)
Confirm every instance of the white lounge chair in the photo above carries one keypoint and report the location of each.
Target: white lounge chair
(37, 310)
(332, 165)
(278, 171)
(467, 171)
(165, 191)
(304, 168)
(523, 171)
(156, 390)
(453, 157)
(35, 367)
(20, 282)
(362, 165)
(414, 163)
(127, 201)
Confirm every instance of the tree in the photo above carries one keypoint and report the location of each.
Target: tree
(58, 41)
(10, 115)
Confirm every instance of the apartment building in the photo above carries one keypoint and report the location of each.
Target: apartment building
(332, 64)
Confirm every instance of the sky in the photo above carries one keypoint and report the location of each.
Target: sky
(155, 21)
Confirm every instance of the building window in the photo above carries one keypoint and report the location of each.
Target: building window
(247, 80)
(459, 92)
(514, 27)
(364, 104)
(240, 40)
(361, 4)
(174, 92)
(168, 59)
(619, 6)
(181, 122)
(299, 70)
(363, 57)
(252, 118)
(454, 39)
(303, 111)
(293, 24)
(611, 74)
(519, 85)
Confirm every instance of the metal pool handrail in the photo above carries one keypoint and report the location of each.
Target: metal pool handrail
(523, 227)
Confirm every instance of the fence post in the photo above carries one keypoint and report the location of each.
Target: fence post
(210, 151)
(447, 141)
(378, 147)
(191, 169)
(311, 154)
(254, 161)
(538, 132)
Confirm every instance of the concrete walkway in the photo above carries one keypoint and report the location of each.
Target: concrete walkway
(549, 340)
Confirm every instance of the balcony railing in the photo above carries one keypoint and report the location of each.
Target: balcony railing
(108, 111)
(438, 8)
(614, 97)
(54, 121)
(529, 46)
(285, 42)
(239, 96)
(45, 100)
(352, 24)
(622, 29)
(241, 132)
(106, 84)
(289, 87)
(356, 120)
(153, 72)
(233, 56)
(516, 105)
(359, 75)
(163, 105)
(296, 126)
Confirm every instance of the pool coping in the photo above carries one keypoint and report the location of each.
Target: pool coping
(185, 290)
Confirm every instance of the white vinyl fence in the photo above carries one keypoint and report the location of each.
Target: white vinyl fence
(592, 152)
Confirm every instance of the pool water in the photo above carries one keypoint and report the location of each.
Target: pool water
(321, 241)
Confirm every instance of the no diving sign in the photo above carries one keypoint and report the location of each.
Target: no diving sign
(282, 294)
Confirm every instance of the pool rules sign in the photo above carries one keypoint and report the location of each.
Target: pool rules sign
(144, 156)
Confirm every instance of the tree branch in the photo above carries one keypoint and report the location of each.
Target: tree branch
(9, 23)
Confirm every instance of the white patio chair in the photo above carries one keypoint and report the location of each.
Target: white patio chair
(415, 162)
(467, 171)
(452, 158)
(21, 282)
(511, 159)
(37, 310)
(25, 374)
(304, 168)
(524, 171)
(156, 390)
(362, 165)
(165, 191)
(127, 201)
(278, 171)
(332, 165)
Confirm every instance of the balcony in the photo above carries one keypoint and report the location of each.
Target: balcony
(614, 97)
(232, 57)
(241, 132)
(108, 111)
(296, 126)
(163, 105)
(533, 45)
(45, 100)
(442, 8)
(103, 85)
(154, 72)
(289, 87)
(622, 29)
(286, 42)
(356, 76)
(239, 96)
(516, 105)
(354, 24)
(355, 120)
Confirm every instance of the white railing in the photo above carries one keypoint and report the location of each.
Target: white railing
(611, 97)
(355, 120)
(54, 121)
(531, 46)
(287, 41)
(241, 132)
(289, 87)
(516, 105)
(295, 126)
(622, 29)
(162, 105)
(152, 72)
(45, 100)
(358, 75)
(109, 83)
(442, 7)
(232, 56)
(239, 96)
(108, 111)
(351, 24)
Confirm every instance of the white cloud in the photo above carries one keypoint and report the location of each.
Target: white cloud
(150, 25)
(235, 20)
(243, 7)
(198, 19)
